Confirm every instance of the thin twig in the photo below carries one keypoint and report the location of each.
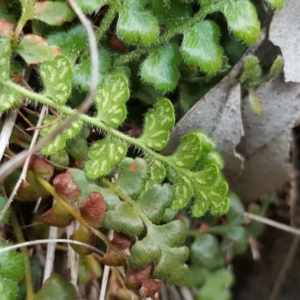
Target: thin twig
(25, 119)
(163, 292)
(46, 241)
(10, 120)
(50, 256)
(43, 126)
(105, 273)
(174, 293)
(73, 257)
(11, 165)
(7, 129)
(37, 205)
(186, 293)
(254, 248)
(272, 223)
(26, 164)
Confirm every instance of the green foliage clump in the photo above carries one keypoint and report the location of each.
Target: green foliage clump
(145, 50)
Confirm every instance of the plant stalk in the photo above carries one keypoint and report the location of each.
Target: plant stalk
(93, 121)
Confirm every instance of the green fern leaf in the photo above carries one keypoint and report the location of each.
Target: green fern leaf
(136, 25)
(160, 68)
(200, 47)
(103, 156)
(162, 245)
(158, 123)
(56, 75)
(111, 98)
(60, 140)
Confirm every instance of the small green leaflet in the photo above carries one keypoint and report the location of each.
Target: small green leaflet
(59, 142)
(252, 72)
(136, 25)
(12, 264)
(158, 123)
(277, 66)
(155, 201)
(162, 245)
(211, 197)
(8, 288)
(183, 192)
(156, 173)
(82, 71)
(200, 47)
(278, 4)
(53, 13)
(132, 174)
(56, 75)
(255, 103)
(110, 99)
(92, 5)
(123, 218)
(207, 144)
(208, 176)
(217, 285)
(205, 185)
(8, 97)
(103, 156)
(5, 15)
(242, 19)
(160, 67)
(205, 252)
(171, 14)
(213, 157)
(70, 42)
(35, 49)
(55, 285)
(188, 152)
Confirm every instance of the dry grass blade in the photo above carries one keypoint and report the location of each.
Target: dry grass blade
(272, 223)
(73, 257)
(46, 241)
(105, 273)
(50, 254)
(26, 164)
(7, 130)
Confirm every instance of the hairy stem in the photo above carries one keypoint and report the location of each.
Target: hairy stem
(27, 14)
(163, 39)
(92, 121)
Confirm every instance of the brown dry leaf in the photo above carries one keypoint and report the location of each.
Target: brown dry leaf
(267, 141)
(284, 32)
